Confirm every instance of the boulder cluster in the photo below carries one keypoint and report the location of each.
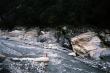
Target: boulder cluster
(88, 44)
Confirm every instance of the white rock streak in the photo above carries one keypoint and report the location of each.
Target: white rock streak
(40, 59)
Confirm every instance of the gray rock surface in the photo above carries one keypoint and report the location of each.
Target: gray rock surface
(87, 44)
(59, 60)
(2, 57)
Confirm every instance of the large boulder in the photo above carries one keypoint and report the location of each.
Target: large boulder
(87, 44)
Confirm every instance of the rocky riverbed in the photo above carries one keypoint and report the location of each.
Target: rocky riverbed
(31, 44)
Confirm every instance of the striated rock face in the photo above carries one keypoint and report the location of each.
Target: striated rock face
(87, 44)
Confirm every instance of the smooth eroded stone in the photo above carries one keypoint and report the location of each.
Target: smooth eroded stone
(86, 44)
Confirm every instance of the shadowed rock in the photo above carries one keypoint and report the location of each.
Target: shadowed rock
(105, 36)
(2, 57)
(105, 55)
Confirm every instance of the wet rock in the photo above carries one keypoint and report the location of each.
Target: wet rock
(47, 36)
(105, 36)
(87, 44)
(63, 36)
(8, 51)
(4, 71)
(2, 57)
(105, 55)
(64, 42)
(30, 54)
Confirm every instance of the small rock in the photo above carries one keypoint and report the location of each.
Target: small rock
(47, 36)
(72, 54)
(2, 57)
(105, 55)
(105, 36)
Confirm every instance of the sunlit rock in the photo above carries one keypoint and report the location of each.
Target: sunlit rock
(87, 44)
(31, 35)
(16, 35)
(51, 46)
(72, 54)
(44, 58)
(4, 33)
(40, 59)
